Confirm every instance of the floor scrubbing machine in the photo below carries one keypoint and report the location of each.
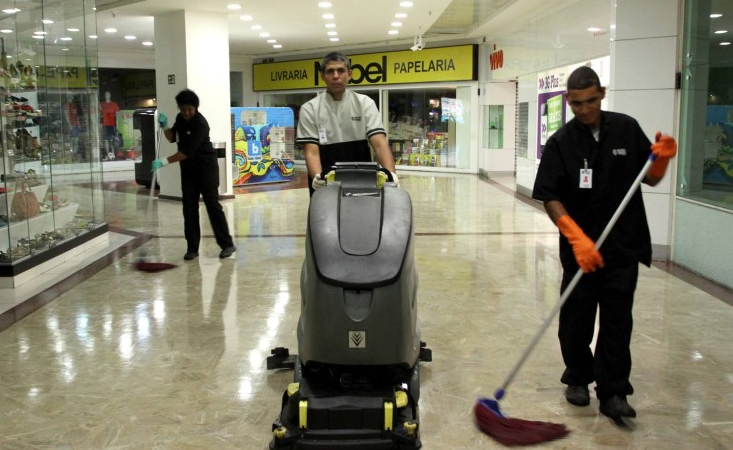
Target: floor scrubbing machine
(356, 383)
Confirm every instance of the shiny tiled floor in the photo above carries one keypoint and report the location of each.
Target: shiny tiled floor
(121, 359)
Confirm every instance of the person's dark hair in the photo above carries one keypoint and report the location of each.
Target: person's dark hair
(582, 78)
(187, 97)
(335, 56)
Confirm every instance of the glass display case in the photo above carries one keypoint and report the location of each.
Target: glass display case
(494, 126)
(50, 175)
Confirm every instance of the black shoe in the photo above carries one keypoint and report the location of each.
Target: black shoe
(227, 252)
(616, 407)
(190, 255)
(577, 395)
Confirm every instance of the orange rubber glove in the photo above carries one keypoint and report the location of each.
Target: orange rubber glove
(664, 148)
(589, 259)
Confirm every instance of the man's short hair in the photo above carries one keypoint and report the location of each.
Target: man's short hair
(582, 78)
(187, 97)
(337, 57)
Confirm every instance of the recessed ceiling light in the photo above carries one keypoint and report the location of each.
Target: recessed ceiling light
(725, 43)
(333, 33)
(334, 39)
(40, 32)
(234, 7)
(393, 32)
(65, 49)
(130, 37)
(721, 31)
(594, 29)
(715, 15)
(264, 34)
(37, 36)
(330, 25)
(73, 30)
(245, 17)
(271, 41)
(147, 43)
(47, 21)
(93, 36)
(6, 31)
(396, 24)
(400, 15)
(110, 30)
(11, 11)
(324, 4)
(65, 38)
(277, 46)
(328, 16)
(256, 27)
(406, 4)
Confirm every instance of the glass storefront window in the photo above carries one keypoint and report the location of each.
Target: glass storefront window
(424, 124)
(51, 173)
(706, 139)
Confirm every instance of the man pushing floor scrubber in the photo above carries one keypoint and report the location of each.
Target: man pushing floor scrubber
(356, 382)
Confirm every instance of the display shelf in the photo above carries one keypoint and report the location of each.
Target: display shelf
(6, 199)
(46, 221)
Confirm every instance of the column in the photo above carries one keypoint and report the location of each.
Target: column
(192, 51)
(643, 69)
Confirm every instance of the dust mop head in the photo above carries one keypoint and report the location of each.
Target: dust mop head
(514, 432)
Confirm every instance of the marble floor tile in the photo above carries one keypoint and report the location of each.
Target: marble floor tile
(175, 360)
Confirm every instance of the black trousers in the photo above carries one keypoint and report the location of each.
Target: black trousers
(205, 184)
(611, 292)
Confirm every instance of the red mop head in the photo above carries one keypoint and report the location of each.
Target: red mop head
(514, 432)
(146, 266)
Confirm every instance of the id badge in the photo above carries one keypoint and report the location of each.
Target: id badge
(322, 136)
(586, 178)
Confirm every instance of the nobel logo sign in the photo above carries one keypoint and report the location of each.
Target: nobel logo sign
(429, 65)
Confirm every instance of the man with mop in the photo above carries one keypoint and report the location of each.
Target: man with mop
(586, 169)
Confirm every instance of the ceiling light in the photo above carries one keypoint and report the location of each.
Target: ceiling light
(393, 32)
(40, 32)
(47, 21)
(396, 24)
(37, 36)
(715, 15)
(324, 4)
(11, 11)
(73, 30)
(328, 16)
(330, 25)
(271, 41)
(234, 7)
(65, 38)
(93, 36)
(264, 34)
(721, 31)
(725, 43)
(594, 29)
(6, 31)
(110, 30)
(147, 43)
(406, 4)
(332, 33)
(400, 15)
(334, 39)
(256, 27)
(245, 17)
(277, 46)
(130, 37)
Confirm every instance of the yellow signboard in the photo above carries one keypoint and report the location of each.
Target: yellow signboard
(426, 66)
(67, 77)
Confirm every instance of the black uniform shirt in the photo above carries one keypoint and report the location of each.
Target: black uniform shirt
(194, 142)
(616, 160)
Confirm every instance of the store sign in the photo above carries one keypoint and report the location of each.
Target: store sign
(139, 84)
(66, 77)
(496, 59)
(429, 65)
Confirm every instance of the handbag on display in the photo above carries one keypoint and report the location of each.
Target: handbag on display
(25, 203)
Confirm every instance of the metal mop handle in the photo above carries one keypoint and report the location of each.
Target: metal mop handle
(571, 286)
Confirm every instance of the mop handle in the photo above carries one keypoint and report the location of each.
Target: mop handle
(574, 282)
